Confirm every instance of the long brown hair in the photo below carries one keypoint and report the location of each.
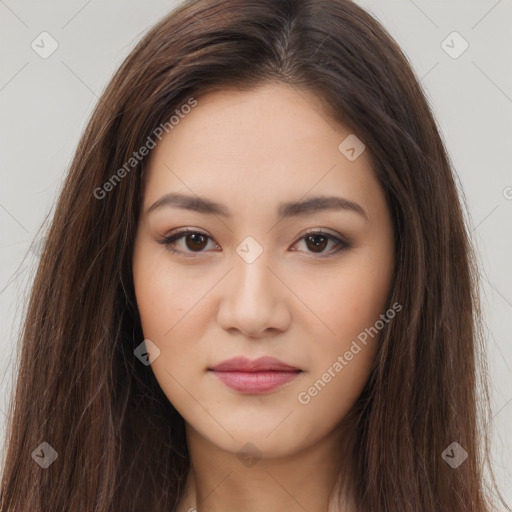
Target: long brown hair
(120, 443)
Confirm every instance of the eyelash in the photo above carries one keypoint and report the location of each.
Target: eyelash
(169, 240)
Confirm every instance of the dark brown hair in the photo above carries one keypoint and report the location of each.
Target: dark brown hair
(121, 445)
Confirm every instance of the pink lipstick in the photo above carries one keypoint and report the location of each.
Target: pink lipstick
(258, 376)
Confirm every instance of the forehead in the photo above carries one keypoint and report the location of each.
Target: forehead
(268, 144)
(265, 121)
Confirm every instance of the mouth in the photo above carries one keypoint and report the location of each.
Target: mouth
(258, 376)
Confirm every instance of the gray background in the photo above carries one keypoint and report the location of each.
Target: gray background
(45, 104)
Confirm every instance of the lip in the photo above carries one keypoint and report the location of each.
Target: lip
(257, 376)
(242, 364)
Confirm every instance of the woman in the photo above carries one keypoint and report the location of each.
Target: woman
(193, 341)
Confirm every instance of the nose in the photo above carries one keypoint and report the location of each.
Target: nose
(254, 300)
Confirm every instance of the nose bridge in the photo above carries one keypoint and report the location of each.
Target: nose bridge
(252, 277)
(251, 299)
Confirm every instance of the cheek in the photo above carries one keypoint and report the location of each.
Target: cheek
(350, 300)
(172, 316)
(165, 297)
(351, 308)
(157, 306)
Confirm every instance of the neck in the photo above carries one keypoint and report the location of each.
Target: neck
(219, 480)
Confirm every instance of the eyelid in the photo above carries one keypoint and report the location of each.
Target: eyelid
(179, 233)
(341, 242)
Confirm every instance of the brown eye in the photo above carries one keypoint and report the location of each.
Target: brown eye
(195, 241)
(318, 242)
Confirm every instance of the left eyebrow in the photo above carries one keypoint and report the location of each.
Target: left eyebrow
(289, 209)
(317, 204)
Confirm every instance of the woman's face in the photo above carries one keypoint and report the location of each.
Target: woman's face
(268, 271)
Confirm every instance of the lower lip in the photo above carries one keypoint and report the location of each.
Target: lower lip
(255, 382)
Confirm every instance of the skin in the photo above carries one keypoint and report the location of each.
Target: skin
(250, 151)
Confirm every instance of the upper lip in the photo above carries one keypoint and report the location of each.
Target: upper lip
(242, 364)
